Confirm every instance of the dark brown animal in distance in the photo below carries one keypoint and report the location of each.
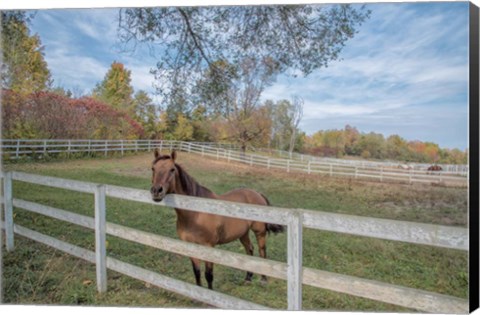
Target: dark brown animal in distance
(434, 168)
(203, 228)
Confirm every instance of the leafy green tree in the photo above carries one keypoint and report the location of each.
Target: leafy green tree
(371, 145)
(24, 69)
(193, 39)
(200, 123)
(183, 130)
(146, 113)
(115, 89)
(397, 148)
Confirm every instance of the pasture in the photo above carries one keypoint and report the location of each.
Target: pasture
(35, 274)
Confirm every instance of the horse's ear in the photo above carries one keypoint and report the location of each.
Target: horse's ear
(156, 153)
(173, 155)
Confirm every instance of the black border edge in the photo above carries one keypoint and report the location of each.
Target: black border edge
(474, 33)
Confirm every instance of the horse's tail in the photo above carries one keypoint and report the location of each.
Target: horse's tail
(275, 228)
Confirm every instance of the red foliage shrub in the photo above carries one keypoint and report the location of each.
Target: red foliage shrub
(52, 116)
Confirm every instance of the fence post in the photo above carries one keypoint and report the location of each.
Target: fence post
(18, 149)
(309, 167)
(356, 172)
(294, 269)
(106, 147)
(121, 143)
(268, 163)
(331, 170)
(1, 263)
(288, 165)
(149, 145)
(161, 145)
(100, 239)
(381, 174)
(89, 147)
(8, 206)
(44, 148)
(69, 147)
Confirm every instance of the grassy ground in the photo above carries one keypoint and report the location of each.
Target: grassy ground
(36, 274)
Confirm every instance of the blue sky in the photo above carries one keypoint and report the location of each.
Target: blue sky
(405, 72)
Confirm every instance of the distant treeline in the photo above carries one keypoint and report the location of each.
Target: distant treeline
(350, 142)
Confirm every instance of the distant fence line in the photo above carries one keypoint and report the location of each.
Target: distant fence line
(292, 271)
(15, 149)
(460, 169)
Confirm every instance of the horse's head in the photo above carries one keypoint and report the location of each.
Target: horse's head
(163, 175)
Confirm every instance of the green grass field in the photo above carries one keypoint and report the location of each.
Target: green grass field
(36, 274)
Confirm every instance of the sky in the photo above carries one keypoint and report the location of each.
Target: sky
(405, 72)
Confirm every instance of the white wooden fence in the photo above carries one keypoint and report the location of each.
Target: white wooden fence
(292, 271)
(451, 168)
(15, 149)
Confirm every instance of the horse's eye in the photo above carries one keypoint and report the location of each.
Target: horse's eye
(153, 170)
(172, 170)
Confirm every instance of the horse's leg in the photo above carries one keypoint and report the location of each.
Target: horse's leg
(261, 236)
(196, 270)
(209, 274)
(245, 240)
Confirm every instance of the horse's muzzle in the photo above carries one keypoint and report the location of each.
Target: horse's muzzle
(157, 194)
(157, 199)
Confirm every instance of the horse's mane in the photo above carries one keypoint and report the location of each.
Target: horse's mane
(189, 185)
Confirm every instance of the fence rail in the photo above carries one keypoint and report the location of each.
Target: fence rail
(15, 149)
(292, 271)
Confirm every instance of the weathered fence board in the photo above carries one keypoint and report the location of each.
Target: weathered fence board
(55, 182)
(411, 232)
(407, 297)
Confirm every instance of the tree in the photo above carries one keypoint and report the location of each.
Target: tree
(24, 69)
(280, 123)
(285, 116)
(200, 124)
(296, 114)
(397, 148)
(183, 130)
(145, 112)
(371, 145)
(115, 89)
(193, 39)
(351, 138)
(247, 120)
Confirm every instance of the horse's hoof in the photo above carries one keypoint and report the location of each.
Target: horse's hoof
(247, 281)
(264, 281)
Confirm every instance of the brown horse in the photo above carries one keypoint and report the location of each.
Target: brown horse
(203, 228)
(434, 168)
